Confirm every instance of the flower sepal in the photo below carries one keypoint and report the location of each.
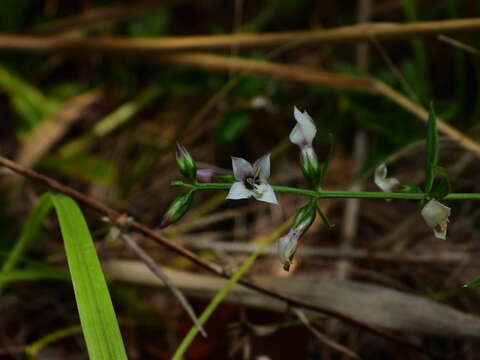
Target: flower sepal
(311, 168)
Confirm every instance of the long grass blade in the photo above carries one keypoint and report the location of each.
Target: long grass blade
(97, 316)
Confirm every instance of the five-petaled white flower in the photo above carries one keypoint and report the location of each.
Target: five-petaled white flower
(381, 180)
(252, 180)
(436, 216)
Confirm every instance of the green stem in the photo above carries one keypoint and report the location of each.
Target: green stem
(330, 194)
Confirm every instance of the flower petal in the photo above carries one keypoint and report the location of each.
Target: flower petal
(267, 195)
(263, 166)
(436, 216)
(440, 233)
(239, 191)
(241, 168)
(304, 132)
(286, 247)
(381, 180)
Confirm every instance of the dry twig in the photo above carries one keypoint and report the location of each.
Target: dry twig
(347, 34)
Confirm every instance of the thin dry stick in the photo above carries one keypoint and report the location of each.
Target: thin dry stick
(459, 44)
(116, 217)
(308, 75)
(157, 270)
(348, 34)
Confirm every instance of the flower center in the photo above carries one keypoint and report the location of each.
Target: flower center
(255, 184)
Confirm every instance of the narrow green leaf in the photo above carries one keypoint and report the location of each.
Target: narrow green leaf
(432, 150)
(29, 231)
(97, 316)
(472, 284)
(33, 274)
(442, 188)
(325, 218)
(223, 292)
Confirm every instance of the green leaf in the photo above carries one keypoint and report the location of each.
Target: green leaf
(29, 103)
(325, 219)
(33, 274)
(432, 150)
(97, 316)
(472, 284)
(29, 231)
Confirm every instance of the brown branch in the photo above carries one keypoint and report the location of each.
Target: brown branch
(118, 218)
(308, 75)
(347, 34)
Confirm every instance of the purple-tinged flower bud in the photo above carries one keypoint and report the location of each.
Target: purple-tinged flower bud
(287, 245)
(177, 209)
(207, 175)
(185, 163)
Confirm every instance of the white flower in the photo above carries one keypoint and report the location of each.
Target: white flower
(304, 132)
(286, 247)
(436, 216)
(381, 180)
(252, 180)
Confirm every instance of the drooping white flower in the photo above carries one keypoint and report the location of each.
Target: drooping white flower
(436, 216)
(304, 131)
(381, 180)
(287, 245)
(286, 248)
(252, 180)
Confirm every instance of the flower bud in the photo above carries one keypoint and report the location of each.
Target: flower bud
(287, 245)
(304, 131)
(185, 163)
(177, 209)
(302, 135)
(436, 216)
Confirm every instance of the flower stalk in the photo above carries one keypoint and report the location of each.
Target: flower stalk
(334, 194)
